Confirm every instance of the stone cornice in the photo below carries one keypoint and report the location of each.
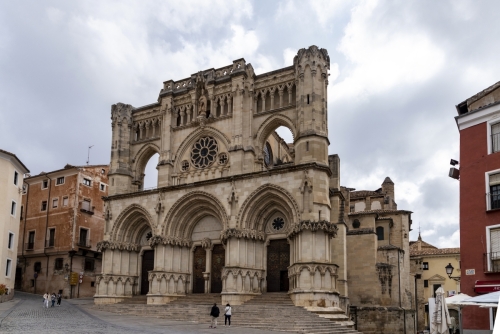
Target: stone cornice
(173, 241)
(116, 245)
(313, 226)
(242, 234)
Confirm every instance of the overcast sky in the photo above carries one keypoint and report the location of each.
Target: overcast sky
(398, 68)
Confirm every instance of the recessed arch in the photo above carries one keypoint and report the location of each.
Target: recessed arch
(131, 224)
(270, 124)
(141, 159)
(188, 210)
(264, 202)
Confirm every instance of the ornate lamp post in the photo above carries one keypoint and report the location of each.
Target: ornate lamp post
(449, 271)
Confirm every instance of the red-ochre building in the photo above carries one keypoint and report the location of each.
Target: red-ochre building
(478, 121)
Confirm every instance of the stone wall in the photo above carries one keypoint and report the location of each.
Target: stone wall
(384, 320)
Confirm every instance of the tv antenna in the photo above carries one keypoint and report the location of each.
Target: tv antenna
(88, 154)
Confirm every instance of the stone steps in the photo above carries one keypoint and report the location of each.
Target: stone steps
(270, 311)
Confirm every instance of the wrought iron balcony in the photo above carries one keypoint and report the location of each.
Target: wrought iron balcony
(491, 262)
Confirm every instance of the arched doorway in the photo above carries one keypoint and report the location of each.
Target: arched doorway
(148, 263)
(278, 261)
(199, 265)
(218, 262)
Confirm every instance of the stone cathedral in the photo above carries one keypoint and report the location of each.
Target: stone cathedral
(241, 212)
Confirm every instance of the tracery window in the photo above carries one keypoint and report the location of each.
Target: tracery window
(204, 152)
(268, 155)
(278, 223)
(223, 158)
(185, 165)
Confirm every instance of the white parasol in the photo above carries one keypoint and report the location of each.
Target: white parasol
(440, 318)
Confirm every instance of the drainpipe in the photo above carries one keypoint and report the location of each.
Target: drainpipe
(400, 303)
(72, 252)
(24, 228)
(46, 227)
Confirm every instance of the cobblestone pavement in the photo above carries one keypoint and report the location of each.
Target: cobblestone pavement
(26, 315)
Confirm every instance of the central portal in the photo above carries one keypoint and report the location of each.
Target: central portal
(218, 259)
(278, 260)
(148, 263)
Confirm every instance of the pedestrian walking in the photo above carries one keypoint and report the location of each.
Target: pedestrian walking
(53, 299)
(46, 298)
(214, 313)
(59, 297)
(227, 315)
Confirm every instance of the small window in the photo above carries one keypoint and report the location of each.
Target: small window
(44, 206)
(37, 267)
(87, 182)
(92, 284)
(55, 202)
(21, 214)
(10, 243)
(45, 184)
(52, 237)
(58, 264)
(103, 171)
(32, 283)
(356, 223)
(89, 264)
(425, 265)
(495, 137)
(16, 176)
(86, 205)
(380, 233)
(84, 238)
(426, 283)
(7, 267)
(102, 187)
(307, 98)
(31, 240)
(60, 180)
(13, 209)
(65, 201)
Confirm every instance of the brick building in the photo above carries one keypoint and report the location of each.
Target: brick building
(478, 122)
(12, 172)
(61, 223)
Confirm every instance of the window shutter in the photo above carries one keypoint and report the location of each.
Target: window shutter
(86, 205)
(495, 129)
(494, 179)
(495, 240)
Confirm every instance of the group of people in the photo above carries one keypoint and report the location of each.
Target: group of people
(215, 312)
(51, 298)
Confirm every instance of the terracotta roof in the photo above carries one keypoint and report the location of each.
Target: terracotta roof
(14, 156)
(365, 193)
(414, 245)
(68, 166)
(377, 211)
(434, 251)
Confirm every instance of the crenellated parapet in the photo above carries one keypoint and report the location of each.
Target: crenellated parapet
(118, 245)
(172, 241)
(242, 234)
(313, 226)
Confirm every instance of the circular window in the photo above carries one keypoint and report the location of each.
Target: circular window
(204, 152)
(185, 165)
(278, 223)
(268, 155)
(356, 223)
(223, 159)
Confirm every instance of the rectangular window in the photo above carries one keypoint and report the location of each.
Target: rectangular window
(44, 206)
(52, 237)
(434, 288)
(55, 202)
(21, 213)
(58, 264)
(495, 137)
(13, 209)
(7, 267)
(65, 201)
(425, 265)
(86, 205)
(37, 267)
(89, 264)
(426, 283)
(102, 187)
(31, 240)
(16, 176)
(10, 243)
(84, 238)
(494, 191)
(87, 182)
(45, 184)
(60, 180)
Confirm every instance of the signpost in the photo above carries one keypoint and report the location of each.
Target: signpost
(73, 278)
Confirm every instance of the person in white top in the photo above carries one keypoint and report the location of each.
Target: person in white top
(227, 315)
(46, 298)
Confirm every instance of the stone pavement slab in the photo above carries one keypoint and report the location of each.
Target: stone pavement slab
(26, 315)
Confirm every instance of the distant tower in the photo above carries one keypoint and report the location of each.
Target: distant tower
(388, 190)
(120, 171)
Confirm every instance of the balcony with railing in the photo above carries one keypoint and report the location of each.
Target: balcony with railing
(492, 262)
(86, 243)
(30, 245)
(493, 200)
(49, 243)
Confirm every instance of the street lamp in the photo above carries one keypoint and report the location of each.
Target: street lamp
(449, 270)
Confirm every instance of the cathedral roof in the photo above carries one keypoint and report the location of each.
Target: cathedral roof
(378, 211)
(365, 193)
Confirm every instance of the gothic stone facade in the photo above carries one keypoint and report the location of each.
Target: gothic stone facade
(237, 210)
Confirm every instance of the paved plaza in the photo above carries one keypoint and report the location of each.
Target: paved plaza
(26, 314)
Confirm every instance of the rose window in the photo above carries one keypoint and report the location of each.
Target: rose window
(278, 223)
(204, 152)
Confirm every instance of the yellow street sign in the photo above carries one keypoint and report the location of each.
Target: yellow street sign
(73, 278)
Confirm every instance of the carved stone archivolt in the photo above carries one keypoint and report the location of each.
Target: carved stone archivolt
(130, 220)
(117, 245)
(313, 226)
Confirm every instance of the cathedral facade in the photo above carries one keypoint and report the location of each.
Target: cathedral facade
(238, 211)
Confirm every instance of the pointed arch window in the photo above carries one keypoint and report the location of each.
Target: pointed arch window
(268, 155)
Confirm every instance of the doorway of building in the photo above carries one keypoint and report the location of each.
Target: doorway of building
(218, 261)
(148, 263)
(278, 260)
(199, 265)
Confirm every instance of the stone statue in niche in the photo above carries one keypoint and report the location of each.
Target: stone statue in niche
(202, 103)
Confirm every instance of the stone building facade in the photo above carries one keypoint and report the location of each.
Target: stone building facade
(12, 172)
(62, 221)
(237, 210)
